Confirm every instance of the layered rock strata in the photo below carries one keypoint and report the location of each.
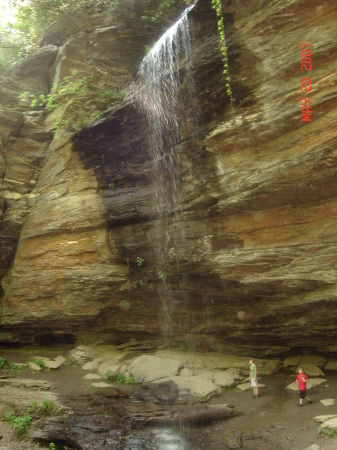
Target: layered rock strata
(257, 265)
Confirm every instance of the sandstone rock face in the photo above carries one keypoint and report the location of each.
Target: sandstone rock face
(37, 181)
(256, 268)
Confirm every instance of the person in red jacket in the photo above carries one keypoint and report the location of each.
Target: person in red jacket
(302, 380)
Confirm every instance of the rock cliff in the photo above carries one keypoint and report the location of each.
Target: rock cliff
(81, 238)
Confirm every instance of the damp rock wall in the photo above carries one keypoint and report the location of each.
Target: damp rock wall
(257, 268)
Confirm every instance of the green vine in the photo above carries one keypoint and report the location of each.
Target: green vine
(216, 5)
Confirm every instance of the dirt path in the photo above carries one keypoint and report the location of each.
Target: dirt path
(274, 420)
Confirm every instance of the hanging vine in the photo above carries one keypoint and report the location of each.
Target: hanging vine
(216, 5)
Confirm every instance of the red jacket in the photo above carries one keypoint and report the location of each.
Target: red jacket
(301, 384)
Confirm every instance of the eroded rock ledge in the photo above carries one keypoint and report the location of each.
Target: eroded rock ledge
(258, 266)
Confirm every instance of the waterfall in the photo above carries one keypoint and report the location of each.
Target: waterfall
(165, 93)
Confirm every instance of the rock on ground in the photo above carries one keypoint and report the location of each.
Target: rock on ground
(178, 390)
(313, 371)
(34, 366)
(330, 424)
(247, 386)
(328, 401)
(56, 363)
(92, 376)
(148, 368)
(323, 418)
(313, 382)
(224, 378)
(198, 387)
(331, 365)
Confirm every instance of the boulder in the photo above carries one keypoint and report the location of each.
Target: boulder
(178, 389)
(97, 357)
(321, 419)
(313, 382)
(26, 383)
(312, 360)
(200, 415)
(110, 365)
(224, 378)
(34, 366)
(165, 392)
(147, 368)
(331, 365)
(109, 390)
(198, 387)
(292, 361)
(82, 354)
(310, 363)
(328, 401)
(184, 372)
(330, 424)
(247, 386)
(313, 371)
(92, 365)
(54, 364)
(92, 376)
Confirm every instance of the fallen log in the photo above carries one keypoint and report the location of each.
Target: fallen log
(198, 416)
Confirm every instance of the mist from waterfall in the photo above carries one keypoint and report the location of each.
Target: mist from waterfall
(165, 93)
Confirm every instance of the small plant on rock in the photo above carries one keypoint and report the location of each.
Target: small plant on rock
(9, 367)
(140, 261)
(119, 377)
(329, 433)
(76, 101)
(46, 408)
(40, 363)
(19, 423)
(71, 362)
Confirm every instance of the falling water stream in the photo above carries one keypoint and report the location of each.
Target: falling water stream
(165, 93)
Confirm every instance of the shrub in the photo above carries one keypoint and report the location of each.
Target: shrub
(119, 377)
(46, 408)
(40, 363)
(329, 433)
(9, 367)
(19, 423)
(70, 101)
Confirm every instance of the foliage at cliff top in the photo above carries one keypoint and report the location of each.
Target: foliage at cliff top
(35, 19)
(22, 31)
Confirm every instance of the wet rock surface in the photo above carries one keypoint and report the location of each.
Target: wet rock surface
(258, 262)
(85, 419)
